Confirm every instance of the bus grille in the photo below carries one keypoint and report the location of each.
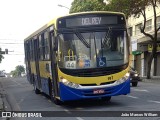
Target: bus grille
(93, 72)
(104, 83)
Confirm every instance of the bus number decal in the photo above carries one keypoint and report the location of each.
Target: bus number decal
(110, 78)
(70, 64)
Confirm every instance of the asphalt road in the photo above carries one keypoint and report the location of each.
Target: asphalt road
(19, 96)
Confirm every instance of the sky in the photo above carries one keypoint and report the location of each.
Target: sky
(18, 19)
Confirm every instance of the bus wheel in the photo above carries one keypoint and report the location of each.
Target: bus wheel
(106, 99)
(35, 88)
(54, 99)
(57, 101)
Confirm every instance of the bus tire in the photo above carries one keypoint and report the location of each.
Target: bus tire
(53, 97)
(106, 99)
(37, 91)
(57, 101)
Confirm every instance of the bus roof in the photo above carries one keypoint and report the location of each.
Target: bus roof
(53, 22)
(94, 12)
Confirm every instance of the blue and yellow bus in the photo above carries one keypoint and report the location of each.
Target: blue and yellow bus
(80, 56)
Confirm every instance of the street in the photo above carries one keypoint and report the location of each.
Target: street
(18, 95)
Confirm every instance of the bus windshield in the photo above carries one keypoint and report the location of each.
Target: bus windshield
(81, 50)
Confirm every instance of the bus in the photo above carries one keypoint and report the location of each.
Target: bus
(80, 56)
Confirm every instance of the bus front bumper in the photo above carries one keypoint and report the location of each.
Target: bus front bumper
(68, 93)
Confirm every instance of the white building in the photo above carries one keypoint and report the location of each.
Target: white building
(141, 44)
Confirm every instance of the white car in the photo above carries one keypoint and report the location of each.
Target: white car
(2, 74)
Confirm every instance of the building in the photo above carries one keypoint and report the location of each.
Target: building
(140, 44)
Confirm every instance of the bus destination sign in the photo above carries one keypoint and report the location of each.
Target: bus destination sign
(91, 21)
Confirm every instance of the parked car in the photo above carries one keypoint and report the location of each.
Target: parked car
(134, 77)
(2, 74)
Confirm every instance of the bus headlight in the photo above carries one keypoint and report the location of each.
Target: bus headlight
(136, 75)
(123, 79)
(68, 83)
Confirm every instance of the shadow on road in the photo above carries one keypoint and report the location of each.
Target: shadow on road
(91, 103)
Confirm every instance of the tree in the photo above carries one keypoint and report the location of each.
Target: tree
(137, 8)
(87, 5)
(1, 56)
(18, 71)
(120, 6)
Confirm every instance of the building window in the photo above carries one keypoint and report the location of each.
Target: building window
(137, 29)
(44, 46)
(130, 31)
(158, 21)
(148, 25)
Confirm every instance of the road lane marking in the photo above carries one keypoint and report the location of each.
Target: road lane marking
(21, 100)
(79, 118)
(154, 101)
(17, 83)
(132, 96)
(79, 108)
(67, 111)
(11, 86)
(140, 90)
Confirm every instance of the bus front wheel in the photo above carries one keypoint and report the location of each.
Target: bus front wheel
(53, 97)
(56, 101)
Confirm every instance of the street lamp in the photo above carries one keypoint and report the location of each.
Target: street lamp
(63, 6)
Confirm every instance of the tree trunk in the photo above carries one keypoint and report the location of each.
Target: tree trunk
(155, 65)
(149, 66)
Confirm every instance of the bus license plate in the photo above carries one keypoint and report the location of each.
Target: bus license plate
(100, 91)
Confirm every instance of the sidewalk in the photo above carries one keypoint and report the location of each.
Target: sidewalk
(153, 79)
(1, 100)
(1, 103)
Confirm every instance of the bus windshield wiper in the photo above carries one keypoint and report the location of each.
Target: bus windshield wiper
(81, 38)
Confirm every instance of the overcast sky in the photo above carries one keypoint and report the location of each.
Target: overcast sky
(18, 19)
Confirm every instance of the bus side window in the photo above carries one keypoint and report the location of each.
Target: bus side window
(31, 50)
(46, 46)
(41, 47)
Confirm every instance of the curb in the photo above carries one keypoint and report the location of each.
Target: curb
(153, 79)
(1, 98)
(1, 103)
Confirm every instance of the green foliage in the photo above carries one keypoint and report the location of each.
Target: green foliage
(87, 5)
(120, 6)
(18, 71)
(128, 7)
(131, 7)
(137, 8)
(1, 56)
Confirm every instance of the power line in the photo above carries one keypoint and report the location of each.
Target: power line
(11, 43)
(14, 54)
(10, 39)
